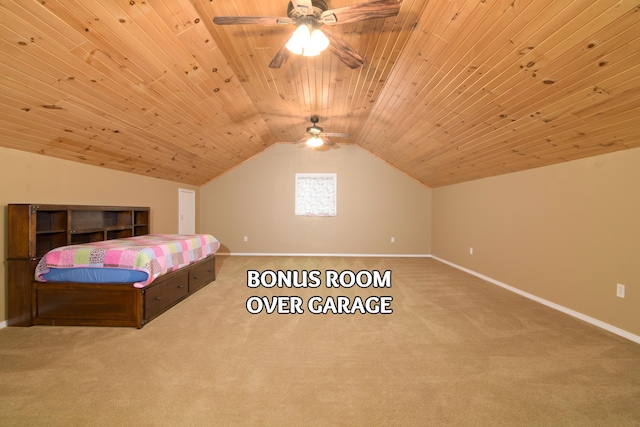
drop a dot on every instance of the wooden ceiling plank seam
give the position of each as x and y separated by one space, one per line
309 84
319 84
47 106
414 44
407 22
542 136
350 34
209 83
47 118
176 86
71 89
68 76
499 130
485 146
451 178
331 106
577 32
600 137
356 35
377 73
347 79
581 79
576 92
353 80
58 146
577 95
265 84
102 35
459 58
44 68
243 84
39 18
387 61
130 166
484 149
66 82
517 159
401 94
130 135
169 151
507 84
179 16
323 86
166 55
146 158
189 68
368 70
37 91
433 90
16 141
44 119
124 126
231 105
223 40
36 66
617 103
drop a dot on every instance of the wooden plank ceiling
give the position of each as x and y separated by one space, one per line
450 91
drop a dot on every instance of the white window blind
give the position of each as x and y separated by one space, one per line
316 194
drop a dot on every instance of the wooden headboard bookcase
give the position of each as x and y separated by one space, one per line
33 230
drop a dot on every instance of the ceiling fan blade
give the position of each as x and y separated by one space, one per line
304 6
328 145
327 141
336 135
361 12
280 57
345 52
260 20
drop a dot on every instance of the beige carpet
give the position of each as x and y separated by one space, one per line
456 351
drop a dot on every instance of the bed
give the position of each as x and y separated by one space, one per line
120 282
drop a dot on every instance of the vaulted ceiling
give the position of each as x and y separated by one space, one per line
450 90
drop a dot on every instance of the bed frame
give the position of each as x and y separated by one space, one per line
36 229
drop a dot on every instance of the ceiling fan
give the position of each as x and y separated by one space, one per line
311 35
315 136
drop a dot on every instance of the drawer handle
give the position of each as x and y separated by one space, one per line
196 278
209 271
180 286
158 298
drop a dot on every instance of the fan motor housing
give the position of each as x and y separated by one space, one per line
319 6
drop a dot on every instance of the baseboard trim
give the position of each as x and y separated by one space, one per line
570 312
326 255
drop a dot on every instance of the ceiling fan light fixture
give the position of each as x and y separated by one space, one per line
307 41
314 142
318 43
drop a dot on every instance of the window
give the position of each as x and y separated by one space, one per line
316 194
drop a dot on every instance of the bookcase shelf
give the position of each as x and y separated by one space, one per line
34 229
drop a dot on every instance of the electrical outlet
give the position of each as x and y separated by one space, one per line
620 291
470 251
246 238
393 240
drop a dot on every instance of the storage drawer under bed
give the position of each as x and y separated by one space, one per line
202 274
165 294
